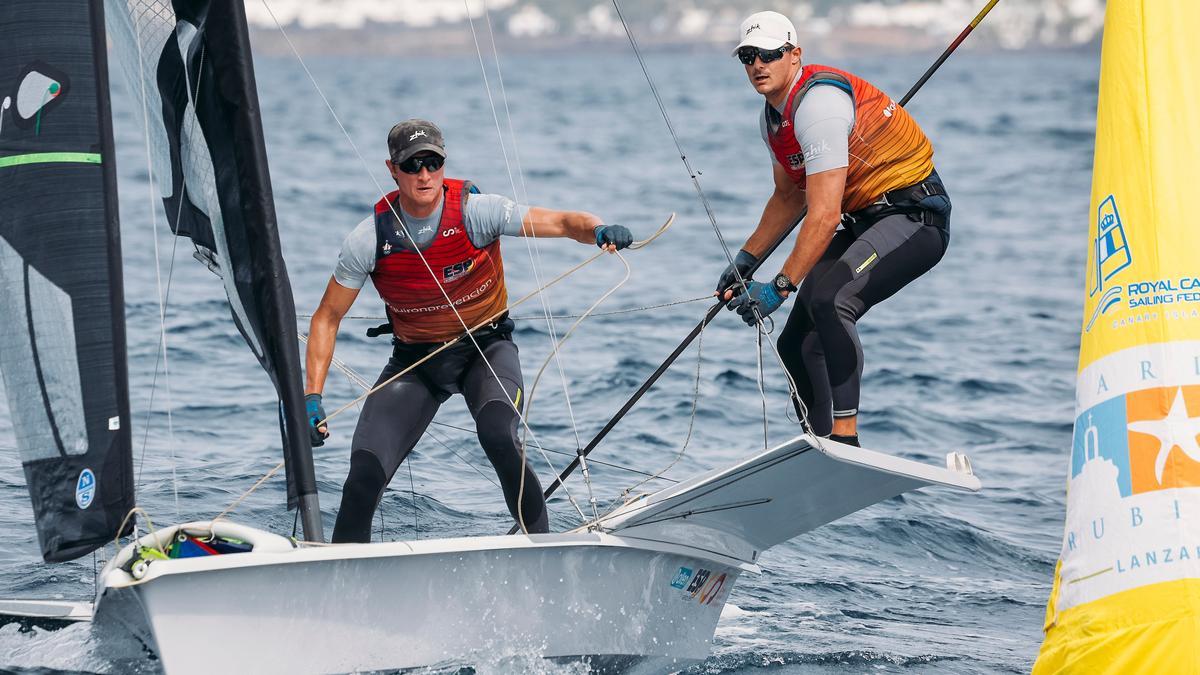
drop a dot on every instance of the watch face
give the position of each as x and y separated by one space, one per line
782 283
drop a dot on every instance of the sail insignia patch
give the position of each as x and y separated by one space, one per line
85 489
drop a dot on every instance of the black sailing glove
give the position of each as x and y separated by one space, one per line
744 262
616 235
315 413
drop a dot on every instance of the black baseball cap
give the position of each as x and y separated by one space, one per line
412 136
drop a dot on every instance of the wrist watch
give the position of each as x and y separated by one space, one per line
783 283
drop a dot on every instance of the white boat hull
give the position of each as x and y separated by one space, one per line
347 608
643 594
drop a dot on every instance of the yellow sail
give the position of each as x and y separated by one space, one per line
1126 594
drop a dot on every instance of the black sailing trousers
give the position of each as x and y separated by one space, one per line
820 345
394 418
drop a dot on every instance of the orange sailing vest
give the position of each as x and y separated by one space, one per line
887 149
473 277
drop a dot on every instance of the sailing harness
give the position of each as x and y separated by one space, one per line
926 201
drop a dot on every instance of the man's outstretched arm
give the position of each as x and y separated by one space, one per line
578 225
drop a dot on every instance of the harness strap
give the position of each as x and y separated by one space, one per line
899 201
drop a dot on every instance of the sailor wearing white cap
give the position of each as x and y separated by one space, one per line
838 145
766 30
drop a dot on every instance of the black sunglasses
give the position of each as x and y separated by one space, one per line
747 54
414 165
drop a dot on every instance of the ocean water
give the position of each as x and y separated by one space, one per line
977 356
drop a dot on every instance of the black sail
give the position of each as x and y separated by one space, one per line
191 61
62 314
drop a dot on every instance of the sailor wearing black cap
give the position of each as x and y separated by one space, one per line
431 249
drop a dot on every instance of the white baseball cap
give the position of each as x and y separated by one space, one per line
766 30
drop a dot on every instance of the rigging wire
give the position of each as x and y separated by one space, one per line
469 334
595 256
161 349
671 128
354 377
662 108
535 264
413 491
762 390
621 499
365 317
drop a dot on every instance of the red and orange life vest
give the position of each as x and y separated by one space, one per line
887 149
472 277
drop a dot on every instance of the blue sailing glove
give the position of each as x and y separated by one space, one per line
315 413
617 235
760 296
744 261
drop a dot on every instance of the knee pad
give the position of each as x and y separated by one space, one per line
824 301
540 525
496 425
366 473
360 496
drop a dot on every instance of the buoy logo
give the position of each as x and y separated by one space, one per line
1163 424
1144 441
85 489
1110 254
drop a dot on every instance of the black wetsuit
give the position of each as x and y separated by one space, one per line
395 417
866 262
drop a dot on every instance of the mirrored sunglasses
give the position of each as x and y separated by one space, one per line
747 54
414 165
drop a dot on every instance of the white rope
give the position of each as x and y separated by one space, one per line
455 341
535 264
275 469
620 500
762 390
708 208
533 389
529 244
353 377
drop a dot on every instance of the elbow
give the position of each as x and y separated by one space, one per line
824 221
324 320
